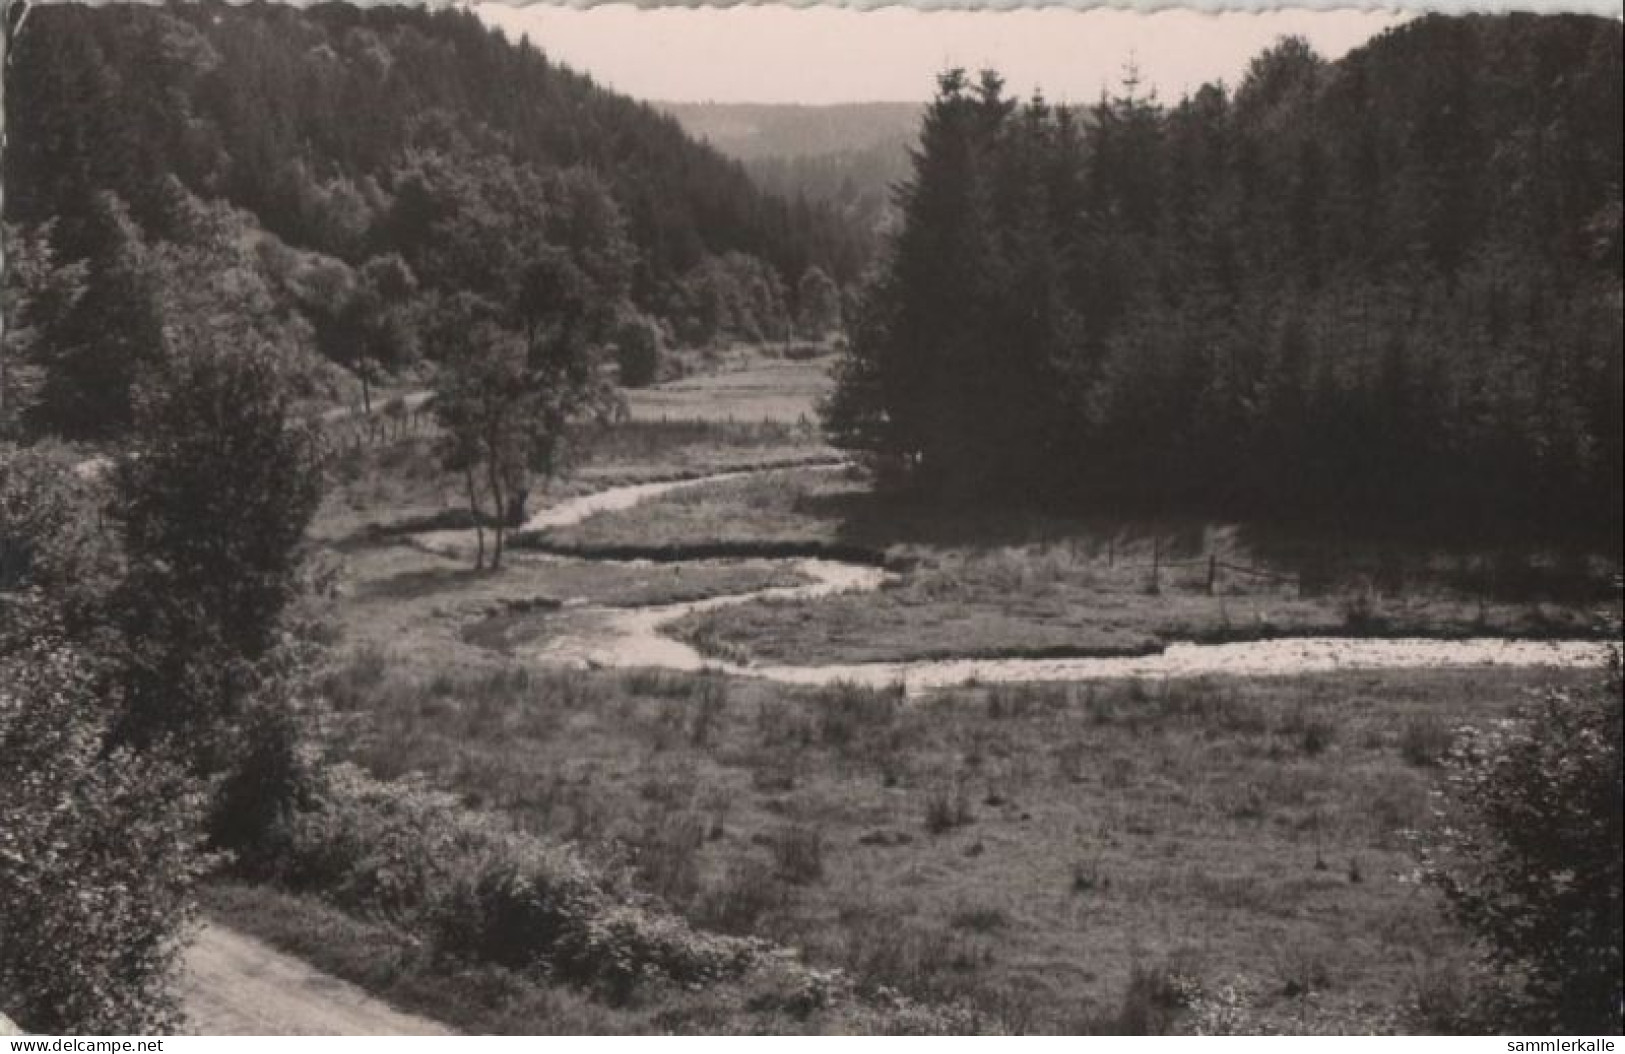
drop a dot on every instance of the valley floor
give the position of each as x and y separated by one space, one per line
1131 855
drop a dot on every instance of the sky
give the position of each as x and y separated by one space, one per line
775 53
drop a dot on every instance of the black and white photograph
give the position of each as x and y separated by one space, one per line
650 521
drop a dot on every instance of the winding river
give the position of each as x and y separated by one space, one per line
635 637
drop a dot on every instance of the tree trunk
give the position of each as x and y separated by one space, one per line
474 508
494 475
516 507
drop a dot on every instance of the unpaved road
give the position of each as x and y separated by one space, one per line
238 986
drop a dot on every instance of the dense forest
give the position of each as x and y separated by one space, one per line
1385 288
358 165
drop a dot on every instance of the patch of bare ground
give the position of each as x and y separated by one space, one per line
390 965
236 985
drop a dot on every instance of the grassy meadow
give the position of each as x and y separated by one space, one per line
1074 859
1136 856
740 385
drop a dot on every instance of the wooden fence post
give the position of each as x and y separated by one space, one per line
1156 564
1212 571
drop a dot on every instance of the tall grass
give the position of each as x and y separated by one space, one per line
1096 816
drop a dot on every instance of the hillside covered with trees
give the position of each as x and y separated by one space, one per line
361 167
1385 288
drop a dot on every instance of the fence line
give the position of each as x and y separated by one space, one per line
1213 564
1258 572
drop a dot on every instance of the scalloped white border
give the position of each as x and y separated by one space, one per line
1607 8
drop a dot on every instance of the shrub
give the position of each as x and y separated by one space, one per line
1226 1010
1088 877
710 702
1069 759
1361 611
269 777
1303 968
482 894
799 853
50 540
350 686
947 808
1316 735
1236 1008
98 858
523 911
1312 728
624 946
638 352
1424 741
381 850
801 990
1530 858
805 352
668 857
980 919
212 516
851 714
1151 1002
776 771
749 893
1442 1001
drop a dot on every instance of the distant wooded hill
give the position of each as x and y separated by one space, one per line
848 156
750 131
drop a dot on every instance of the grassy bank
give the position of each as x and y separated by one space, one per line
454 914
1063 859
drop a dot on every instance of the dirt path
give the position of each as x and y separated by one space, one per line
238 986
